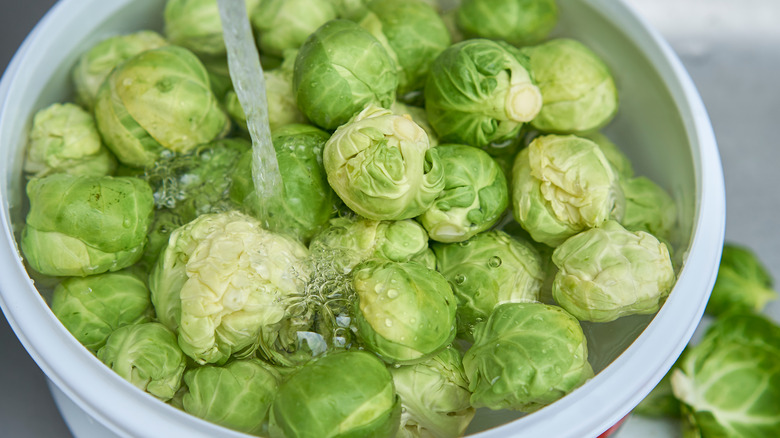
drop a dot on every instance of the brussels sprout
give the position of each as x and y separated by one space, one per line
434 397
196 25
64 138
237 395
608 272
219 74
526 356
85 225
220 284
405 312
562 185
419 116
413 35
94 66
475 195
489 269
147 356
93 307
743 283
480 92
577 87
648 208
518 22
661 401
350 9
186 186
307 201
356 240
347 394
382 166
285 24
729 383
156 101
339 70
619 161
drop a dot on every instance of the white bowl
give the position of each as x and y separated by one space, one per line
662 125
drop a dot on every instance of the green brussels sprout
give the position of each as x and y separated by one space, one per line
147 356
619 161
285 24
156 101
219 74
93 307
729 383
350 9
339 70
382 166
648 208
418 116
743 283
562 185
475 195
220 284
578 90
518 22
489 269
608 272
346 394
435 397
307 201
661 401
480 92
186 186
64 138
94 66
412 33
196 25
355 240
526 356
404 312
237 395
84 225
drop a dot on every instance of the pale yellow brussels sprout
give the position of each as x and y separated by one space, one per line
196 25
562 185
419 116
157 102
578 90
285 24
648 208
94 66
382 166
608 272
64 138
220 284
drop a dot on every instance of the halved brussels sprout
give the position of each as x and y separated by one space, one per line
339 70
85 225
382 166
413 35
94 66
64 138
743 283
307 201
93 307
159 100
435 397
577 87
354 240
147 356
562 185
237 395
221 282
475 195
608 272
480 92
285 24
648 208
404 312
518 22
526 356
489 269
347 394
196 25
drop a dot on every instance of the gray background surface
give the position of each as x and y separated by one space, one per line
731 49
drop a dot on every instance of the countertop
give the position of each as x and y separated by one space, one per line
731 50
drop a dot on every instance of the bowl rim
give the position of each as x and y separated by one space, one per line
50 344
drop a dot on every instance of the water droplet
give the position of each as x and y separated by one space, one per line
388 322
460 279
392 293
494 262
